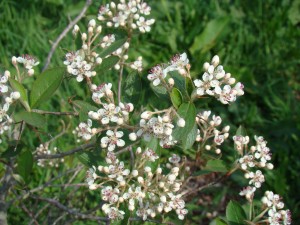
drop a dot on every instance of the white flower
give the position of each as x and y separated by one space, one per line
156 75
257 178
101 91
248 192
174 158
91 176
112 140
84 130
109 113
28 61
179 62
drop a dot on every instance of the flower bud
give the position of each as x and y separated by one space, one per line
159 170
30 72
15 95
146 115
147 169
215 60
138 150
207 147
163 199
92 23
99 29
140 180
135 173
126 45
6 73
181 122
83 36
218 151
132 137
14 60
171 82
226 129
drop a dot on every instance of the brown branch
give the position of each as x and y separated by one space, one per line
55 113
65 31
70 211
63 154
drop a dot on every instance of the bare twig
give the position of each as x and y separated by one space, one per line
70 211
38 213
55 113
64 33
63 154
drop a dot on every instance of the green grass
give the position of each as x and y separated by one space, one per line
257 41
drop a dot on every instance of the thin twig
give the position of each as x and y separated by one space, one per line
65 31
63 154
38 213
70 211
55 113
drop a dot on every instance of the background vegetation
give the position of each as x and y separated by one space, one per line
257 41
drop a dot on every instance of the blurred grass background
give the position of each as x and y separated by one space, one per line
257 41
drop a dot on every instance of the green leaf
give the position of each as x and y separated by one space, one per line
188 112
89 158
132 88
216 165
219 221
176 97
113 47
23 92
14 148
45 85
241 131
31 118
235 214
160 91
25 163
208 38
191 138
189 86
107 63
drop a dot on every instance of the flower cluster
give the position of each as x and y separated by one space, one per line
256 157
276 214
215 82
178 63
7 97
78 66
158 127
85 131
145 190
129 14
207 130
28 62
43 149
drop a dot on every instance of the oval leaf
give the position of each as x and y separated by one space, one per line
176 97
113 47
235 214
23 92
45 85
31 118
25 163
108 63
188 112
132 88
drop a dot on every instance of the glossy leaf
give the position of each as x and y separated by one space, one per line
132 88
31 118
23 92
216 165
107 63
25 163
235 214
176 97
188 112
190 139
160 92
45 85
113 47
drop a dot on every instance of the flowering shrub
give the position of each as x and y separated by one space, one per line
136 173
